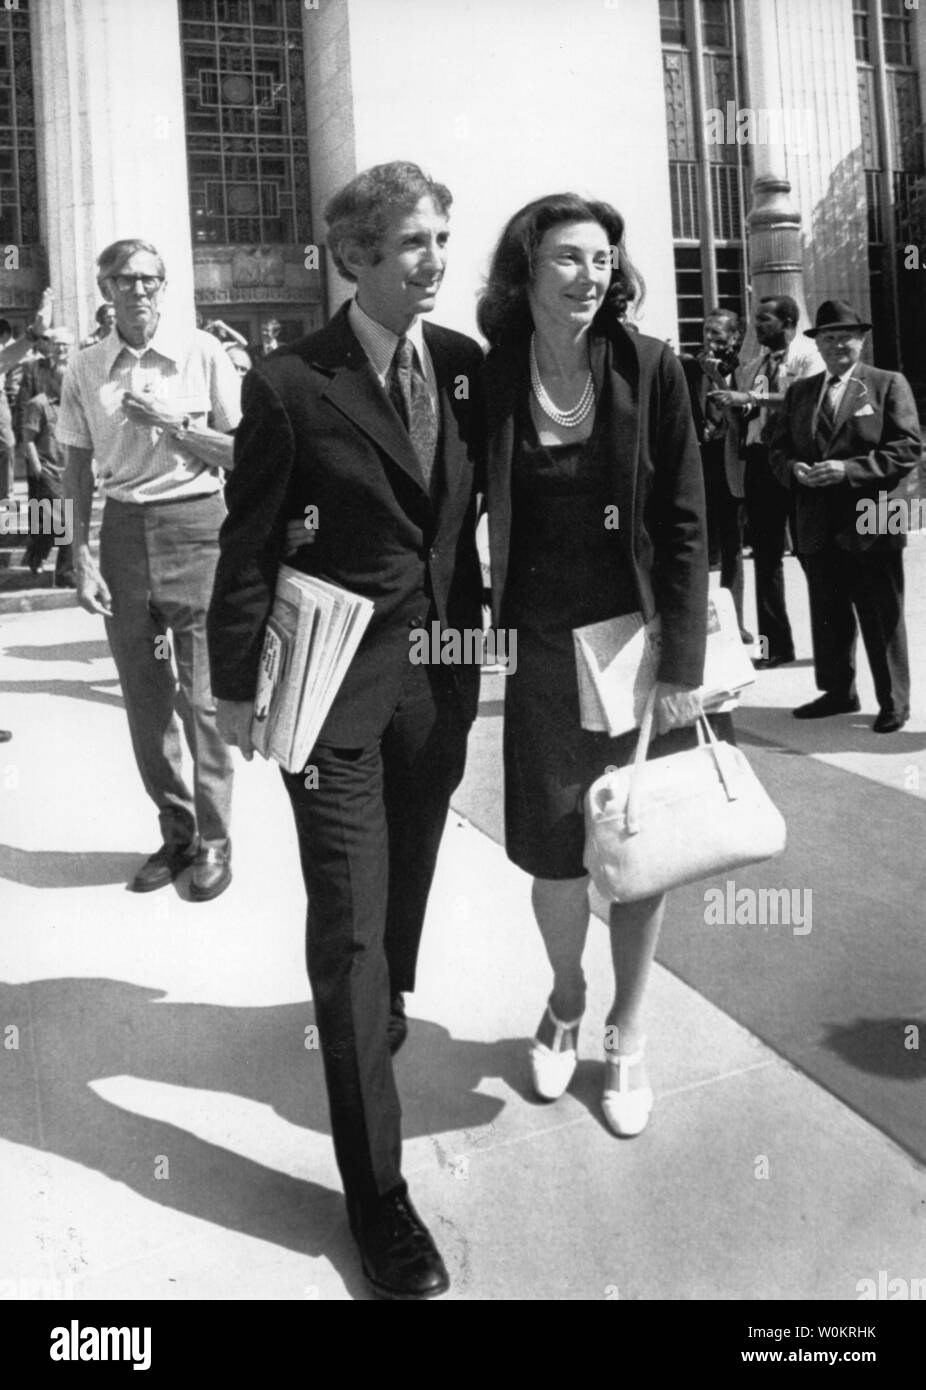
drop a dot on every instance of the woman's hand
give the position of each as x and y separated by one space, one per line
676 706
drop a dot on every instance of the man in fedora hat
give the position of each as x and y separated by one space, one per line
843 437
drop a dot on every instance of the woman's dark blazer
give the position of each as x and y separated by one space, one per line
658 486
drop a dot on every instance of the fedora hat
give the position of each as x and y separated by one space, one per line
836 313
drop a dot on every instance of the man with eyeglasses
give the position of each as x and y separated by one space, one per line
140 401
847 436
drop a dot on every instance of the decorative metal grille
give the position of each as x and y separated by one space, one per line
19 194
860 16
247 130
725 192
701 170
683 187
672 21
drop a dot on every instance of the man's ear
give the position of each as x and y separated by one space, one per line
354 256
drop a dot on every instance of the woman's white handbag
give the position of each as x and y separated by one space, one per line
656 825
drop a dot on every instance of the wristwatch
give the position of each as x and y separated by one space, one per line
181 431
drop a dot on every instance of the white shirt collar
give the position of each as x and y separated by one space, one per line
164 341
379 343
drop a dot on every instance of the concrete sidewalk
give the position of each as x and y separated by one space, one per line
163 1129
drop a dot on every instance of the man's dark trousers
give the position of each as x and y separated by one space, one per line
767 507
369 834
872 583
724 523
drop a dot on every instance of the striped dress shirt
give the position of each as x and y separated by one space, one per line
186 373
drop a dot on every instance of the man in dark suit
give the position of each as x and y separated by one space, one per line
844 436
710 371
373 421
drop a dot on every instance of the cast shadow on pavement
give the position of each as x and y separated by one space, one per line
77 1033
881 1046
61 651
843 733
78 690
49 868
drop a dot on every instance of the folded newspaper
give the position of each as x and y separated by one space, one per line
309 642
617 661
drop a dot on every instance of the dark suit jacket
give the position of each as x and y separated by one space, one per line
699 384
319 430
658 482
876 434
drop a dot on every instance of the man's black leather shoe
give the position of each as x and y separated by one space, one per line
889 723
828 704
163 867
768 663
397 1027
211 872
400 1260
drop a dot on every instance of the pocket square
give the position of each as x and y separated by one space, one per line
865 410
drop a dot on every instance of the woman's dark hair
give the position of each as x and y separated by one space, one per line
503 307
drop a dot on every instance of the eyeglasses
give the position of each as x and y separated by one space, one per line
149 283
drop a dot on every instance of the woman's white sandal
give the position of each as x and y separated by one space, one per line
627 1110
552 1067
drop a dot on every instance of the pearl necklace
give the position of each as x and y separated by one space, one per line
567 419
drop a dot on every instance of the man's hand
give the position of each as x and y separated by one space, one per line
143 410
42 321
726 399
676 706
802 472
827 473
233 721
297 535
92 591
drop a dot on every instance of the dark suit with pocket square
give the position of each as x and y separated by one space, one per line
875 433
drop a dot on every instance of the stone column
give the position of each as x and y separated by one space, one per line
800 68
112 155
330 105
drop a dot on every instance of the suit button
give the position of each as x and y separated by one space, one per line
432 553
416 622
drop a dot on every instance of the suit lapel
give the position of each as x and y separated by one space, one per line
449 460
355 391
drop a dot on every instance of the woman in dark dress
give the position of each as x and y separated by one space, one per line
584 418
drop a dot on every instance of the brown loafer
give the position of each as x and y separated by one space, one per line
211 872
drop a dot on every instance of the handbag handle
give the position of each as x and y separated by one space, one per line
632 812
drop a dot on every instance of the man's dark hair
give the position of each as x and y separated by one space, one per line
503 306
111 260
102 312
784 308
5 327
362 210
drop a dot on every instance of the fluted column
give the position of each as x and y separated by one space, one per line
112 157
800 66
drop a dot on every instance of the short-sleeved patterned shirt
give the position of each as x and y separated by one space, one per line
187 373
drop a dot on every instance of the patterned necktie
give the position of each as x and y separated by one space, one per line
409 394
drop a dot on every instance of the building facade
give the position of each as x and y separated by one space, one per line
753 146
